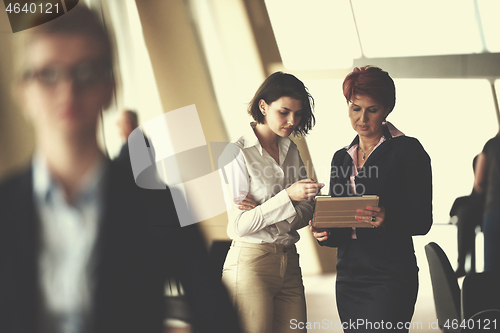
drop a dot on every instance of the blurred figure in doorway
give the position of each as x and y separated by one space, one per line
127 121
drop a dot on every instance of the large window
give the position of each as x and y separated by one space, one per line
392 28
137 89
232 59
488 13
324 34
316 34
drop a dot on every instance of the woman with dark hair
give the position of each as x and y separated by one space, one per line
377 273
271 200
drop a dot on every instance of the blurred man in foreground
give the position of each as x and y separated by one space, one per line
82 248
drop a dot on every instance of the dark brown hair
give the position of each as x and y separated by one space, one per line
279 85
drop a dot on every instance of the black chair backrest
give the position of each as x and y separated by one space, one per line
484 321
444 285
480 291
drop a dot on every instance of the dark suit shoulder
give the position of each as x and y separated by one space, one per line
491 144
339 154
409 150
16 193
408 143
342 150
15 180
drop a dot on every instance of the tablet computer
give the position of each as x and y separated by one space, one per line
339 212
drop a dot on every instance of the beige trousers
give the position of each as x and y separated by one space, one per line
265 283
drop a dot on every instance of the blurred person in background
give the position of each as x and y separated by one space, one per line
82 248
469 215
127 121
377 273
487 182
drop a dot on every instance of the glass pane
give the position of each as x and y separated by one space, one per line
452 119
489 11
316 34
232 59
395 28
138 85
332 130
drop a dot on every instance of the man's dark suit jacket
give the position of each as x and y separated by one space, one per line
139 245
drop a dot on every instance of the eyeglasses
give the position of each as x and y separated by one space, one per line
83 75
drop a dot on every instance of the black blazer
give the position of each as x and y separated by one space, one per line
399 172
140 245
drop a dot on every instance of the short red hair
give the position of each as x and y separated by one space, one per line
372 82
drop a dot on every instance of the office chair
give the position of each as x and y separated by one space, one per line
480 291
483 321
444 287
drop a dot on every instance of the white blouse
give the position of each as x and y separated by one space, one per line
276 218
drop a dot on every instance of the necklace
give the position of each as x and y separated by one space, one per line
359 148
364 154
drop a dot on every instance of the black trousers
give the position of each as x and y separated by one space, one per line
469 211
372 295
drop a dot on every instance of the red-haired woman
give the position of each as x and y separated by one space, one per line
377 273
